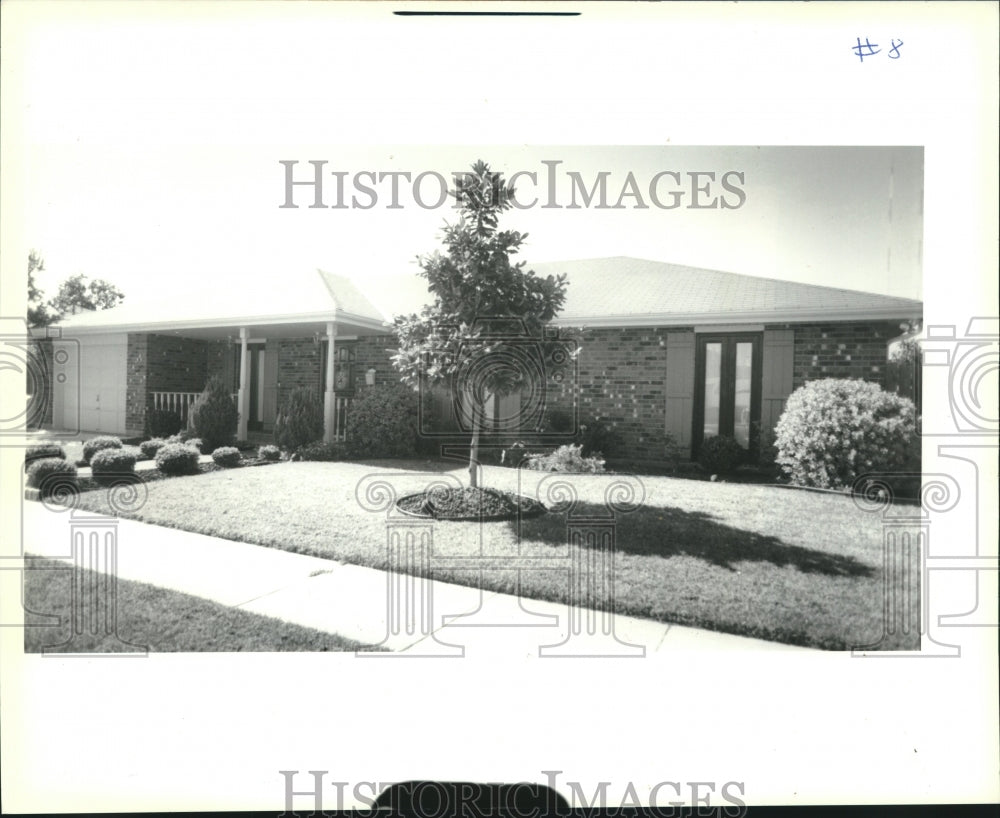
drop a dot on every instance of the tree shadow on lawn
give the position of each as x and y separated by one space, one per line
662 531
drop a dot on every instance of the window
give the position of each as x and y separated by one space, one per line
727 387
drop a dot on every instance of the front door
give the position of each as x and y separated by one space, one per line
727 388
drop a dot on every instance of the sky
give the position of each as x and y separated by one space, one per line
152 158
844 217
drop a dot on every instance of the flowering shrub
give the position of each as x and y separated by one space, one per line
269 453
96 444
113 462
382 421
43 473
177 458
43 450
149 448
226 456
719 454
833 431
566 458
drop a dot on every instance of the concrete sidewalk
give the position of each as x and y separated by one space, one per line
397 612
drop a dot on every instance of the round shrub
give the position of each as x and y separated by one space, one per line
227 456
214 415
97 444
176 458
382 421
269 452
149 448
43 450
719 454
44 473
832 431
300 420
112 462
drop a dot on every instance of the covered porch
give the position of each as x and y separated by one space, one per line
263 362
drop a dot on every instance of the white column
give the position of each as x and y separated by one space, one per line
243 397
329 398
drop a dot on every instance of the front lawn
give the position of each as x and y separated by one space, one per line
161 620
772 563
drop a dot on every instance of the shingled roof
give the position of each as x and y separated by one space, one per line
285 299
623 291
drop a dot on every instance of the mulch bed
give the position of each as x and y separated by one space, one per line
469 504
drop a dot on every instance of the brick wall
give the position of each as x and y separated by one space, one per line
373 352
621 379
136 366
298 365
855 350
220 361
176 364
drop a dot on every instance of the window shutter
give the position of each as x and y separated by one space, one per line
680 386
778 370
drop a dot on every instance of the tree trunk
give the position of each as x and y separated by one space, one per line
474 448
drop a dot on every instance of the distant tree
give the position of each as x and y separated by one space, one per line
77 293
38 312
475 279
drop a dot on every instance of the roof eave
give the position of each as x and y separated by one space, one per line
757 317
363 321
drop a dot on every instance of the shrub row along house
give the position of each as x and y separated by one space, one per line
668 353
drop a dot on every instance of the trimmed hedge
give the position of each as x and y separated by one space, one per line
833 431
269 452
227 456
44 450
97 444
176 458
43 474
382 421
112 463
149 448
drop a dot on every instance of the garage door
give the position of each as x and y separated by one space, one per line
89 394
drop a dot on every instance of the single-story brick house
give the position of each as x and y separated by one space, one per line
111 368
666 350
687 352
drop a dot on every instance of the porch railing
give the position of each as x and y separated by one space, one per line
179 402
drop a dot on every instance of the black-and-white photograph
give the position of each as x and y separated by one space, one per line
313 377
610 401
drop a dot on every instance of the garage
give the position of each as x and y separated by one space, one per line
89 383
